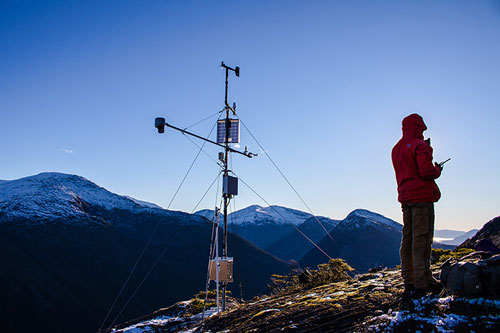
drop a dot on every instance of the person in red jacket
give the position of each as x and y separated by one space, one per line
417 192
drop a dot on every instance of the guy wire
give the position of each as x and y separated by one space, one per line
147 244
295 227
289 183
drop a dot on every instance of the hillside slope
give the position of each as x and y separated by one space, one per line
67 246
356 238
294 246
490 231
370 302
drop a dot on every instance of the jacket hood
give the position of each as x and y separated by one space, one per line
414 126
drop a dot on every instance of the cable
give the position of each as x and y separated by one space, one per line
203 197
161 255
212 252
298 230
190 167
147 275
237 248
148 242
286 179
212 248
210 157
215 224
201 147
233 221
218 113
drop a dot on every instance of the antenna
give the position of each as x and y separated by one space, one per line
228 131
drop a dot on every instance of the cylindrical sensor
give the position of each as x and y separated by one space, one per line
160 124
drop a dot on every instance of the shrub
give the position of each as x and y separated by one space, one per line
334 271
438 256
198 301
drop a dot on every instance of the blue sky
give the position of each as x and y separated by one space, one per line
324 86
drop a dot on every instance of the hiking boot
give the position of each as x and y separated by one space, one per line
406 303
419 293
409 290
435 288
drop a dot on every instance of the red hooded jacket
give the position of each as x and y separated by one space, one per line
412 161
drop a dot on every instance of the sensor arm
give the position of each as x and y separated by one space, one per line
247 154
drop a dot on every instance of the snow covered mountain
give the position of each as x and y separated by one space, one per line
294 246
262 226
361 218
256 215
355 237
58 196
67 245
459 239
447 233
364 239
276 214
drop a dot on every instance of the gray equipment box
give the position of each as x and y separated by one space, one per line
230 185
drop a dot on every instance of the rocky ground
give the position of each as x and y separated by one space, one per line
368 302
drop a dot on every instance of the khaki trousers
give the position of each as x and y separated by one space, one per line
415 251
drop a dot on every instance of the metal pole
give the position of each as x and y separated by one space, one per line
226 155
225 99
217 264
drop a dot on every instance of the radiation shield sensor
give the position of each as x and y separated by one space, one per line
234 131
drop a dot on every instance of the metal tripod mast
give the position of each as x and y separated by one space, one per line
230 183
226 173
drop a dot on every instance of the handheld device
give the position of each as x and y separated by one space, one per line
442 163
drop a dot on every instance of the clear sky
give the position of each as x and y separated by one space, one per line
324 86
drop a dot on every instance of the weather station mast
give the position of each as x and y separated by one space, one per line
228 132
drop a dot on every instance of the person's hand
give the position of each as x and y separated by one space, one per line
440 166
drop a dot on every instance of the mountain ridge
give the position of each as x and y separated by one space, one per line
489 231
62 268
53 195
256 214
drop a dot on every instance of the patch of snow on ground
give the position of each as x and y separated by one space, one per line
208 313
481 301
396 318
146 326
425 312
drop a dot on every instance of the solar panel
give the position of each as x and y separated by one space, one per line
234 131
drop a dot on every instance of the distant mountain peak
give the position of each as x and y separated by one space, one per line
258 214
372 217
255 214
54 195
